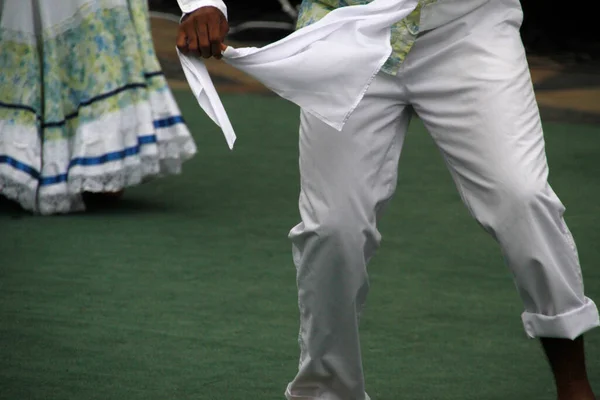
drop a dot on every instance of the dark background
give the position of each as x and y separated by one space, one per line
568 30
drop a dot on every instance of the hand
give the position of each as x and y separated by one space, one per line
203 32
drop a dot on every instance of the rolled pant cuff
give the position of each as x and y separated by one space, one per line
569 325
320 396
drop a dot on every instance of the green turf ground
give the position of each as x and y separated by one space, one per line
187 291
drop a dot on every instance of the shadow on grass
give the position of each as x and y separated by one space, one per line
94 207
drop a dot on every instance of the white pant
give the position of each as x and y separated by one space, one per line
468 80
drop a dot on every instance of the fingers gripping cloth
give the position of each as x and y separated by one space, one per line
324 68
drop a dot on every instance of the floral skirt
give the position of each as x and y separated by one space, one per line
84 106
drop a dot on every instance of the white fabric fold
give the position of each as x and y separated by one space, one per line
204 91
188 6
324 68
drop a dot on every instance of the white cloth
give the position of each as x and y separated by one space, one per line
310 66
206 94
188 6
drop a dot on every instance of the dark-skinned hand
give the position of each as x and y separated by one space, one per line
202 33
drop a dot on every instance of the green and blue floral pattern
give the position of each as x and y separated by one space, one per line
80 64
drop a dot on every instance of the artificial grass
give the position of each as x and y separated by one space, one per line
186 290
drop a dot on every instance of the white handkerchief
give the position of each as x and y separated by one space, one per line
203 89
325 68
